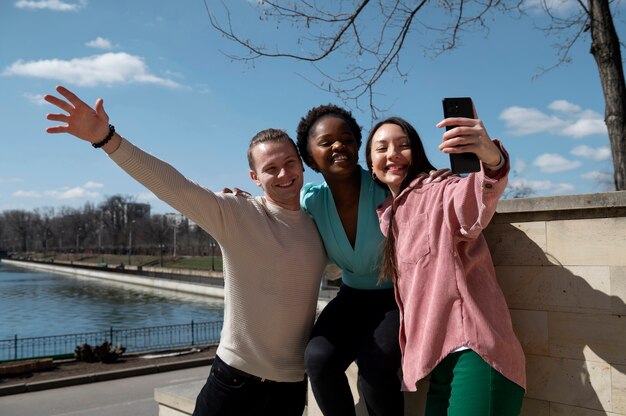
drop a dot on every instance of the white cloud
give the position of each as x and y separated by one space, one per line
605 180
543 187
108 69
552 162
601 177
564 106
56 5
84 191
92 185
100 43
35 98
597 154
26 194
559 8
586 127
72 193
567 119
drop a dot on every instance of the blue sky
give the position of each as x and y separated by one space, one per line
169 89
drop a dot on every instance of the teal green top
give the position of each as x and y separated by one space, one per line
359 265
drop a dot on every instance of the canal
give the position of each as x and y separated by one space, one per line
35 304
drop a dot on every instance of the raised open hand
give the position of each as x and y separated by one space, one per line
81 120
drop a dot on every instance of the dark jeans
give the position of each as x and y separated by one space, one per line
362 326
230 392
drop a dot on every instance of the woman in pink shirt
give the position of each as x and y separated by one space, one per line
454 321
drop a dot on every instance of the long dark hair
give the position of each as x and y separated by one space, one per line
419 164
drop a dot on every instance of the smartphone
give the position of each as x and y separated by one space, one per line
461 107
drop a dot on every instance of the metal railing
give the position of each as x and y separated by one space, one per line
134 339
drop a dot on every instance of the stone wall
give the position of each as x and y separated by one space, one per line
561 263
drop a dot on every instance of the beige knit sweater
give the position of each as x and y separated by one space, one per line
273 263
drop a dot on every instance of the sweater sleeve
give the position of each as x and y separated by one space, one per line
204 207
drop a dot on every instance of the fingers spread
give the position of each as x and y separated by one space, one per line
58 117
56 129
70 96
63 105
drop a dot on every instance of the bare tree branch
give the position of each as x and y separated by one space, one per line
370 35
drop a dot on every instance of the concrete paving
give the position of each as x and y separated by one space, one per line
130 396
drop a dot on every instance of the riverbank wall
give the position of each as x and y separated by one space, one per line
198 282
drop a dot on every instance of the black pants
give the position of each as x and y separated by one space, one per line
362 326
230 392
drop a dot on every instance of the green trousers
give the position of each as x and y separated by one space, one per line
463 384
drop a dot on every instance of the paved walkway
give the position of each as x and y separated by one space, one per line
132 396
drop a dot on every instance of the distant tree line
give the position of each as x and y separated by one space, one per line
118 225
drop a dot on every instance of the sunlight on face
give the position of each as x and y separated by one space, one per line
391 156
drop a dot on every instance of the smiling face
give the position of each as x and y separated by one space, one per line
332 148
390 153
278 171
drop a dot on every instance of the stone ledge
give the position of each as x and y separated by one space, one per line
567 207
564 202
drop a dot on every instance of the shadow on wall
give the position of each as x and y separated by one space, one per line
572 329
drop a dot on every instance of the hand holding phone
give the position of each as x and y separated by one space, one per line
461 107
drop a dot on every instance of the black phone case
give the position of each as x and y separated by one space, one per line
461 107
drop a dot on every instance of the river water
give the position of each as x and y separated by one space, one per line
35 304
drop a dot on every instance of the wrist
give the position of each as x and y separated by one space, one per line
498 165
113 144
106 139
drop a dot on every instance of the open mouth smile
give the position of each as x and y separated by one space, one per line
339 157
286 185
396 169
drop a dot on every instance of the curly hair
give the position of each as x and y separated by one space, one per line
313 116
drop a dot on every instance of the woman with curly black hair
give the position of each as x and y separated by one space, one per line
362 322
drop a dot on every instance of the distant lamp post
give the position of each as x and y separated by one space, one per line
100 244
213 244
174 250
130 239
78 241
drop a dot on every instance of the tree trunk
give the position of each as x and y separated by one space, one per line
605 49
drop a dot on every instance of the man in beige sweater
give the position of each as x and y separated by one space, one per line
273 261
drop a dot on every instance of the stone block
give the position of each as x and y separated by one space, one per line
531 328
517 244
556 288
592 337
557 409
573 382
618 290
599 241
618 386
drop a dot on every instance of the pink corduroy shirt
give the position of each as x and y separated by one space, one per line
446 287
